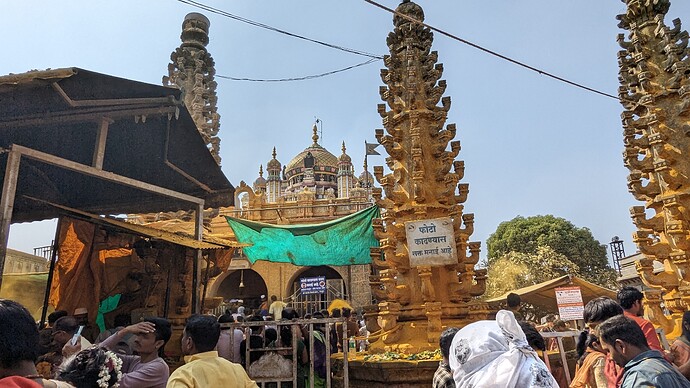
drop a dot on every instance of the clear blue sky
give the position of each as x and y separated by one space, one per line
531 145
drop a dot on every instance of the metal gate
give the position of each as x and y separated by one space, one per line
310 303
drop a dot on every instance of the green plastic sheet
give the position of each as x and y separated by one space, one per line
345 241
107 305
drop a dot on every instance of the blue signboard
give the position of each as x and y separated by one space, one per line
313 285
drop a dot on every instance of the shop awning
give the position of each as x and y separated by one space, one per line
543 294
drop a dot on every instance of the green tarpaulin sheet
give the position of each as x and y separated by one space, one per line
344 241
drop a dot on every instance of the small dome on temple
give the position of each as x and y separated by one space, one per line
260 182
273 164
366 179
323 160
344 158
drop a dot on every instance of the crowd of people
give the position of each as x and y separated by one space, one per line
132 355
617 349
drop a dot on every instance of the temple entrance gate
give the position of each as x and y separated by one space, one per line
307 303
245 284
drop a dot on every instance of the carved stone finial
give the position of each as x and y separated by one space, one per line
315 136
261 170
192 70
343 148
274 152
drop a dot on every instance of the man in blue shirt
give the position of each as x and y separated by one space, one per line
624 341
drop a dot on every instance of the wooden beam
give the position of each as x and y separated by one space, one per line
105 175
99 149
9 189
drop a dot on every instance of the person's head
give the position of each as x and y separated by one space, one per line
18 335
325 313
622 338
513 300
148 343
55 315
600 309
64 329
81 314
534 339
445 340
286 335
270 335
318 315
274 298
586 342
200 334
335 313
289 313
347 312
225 320
91 368
560 325
258 328
630 298
240 310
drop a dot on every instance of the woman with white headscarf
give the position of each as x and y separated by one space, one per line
490 354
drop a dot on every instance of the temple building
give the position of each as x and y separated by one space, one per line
315 186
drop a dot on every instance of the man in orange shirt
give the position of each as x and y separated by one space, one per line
630 299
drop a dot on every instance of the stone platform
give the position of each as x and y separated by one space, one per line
388 374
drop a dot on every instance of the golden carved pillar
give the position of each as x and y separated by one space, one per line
655 94
417 299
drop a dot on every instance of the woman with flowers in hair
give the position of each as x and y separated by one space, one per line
90 368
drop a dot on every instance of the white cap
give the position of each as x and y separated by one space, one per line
81 311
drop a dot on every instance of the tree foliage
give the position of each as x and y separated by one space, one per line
526 235
516 270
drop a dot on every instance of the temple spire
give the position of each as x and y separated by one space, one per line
655 94
192 70
423 187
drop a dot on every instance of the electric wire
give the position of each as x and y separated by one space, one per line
300 78
265 26
491 52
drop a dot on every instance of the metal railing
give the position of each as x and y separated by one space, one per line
563 354
45 252
298 327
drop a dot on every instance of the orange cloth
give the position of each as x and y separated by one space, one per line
680 351
92 265
649 332
584 374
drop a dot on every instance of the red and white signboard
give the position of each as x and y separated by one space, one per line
569 300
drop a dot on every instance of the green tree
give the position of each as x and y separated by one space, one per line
528 234
517 269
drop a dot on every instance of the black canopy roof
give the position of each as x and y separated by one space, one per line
151 138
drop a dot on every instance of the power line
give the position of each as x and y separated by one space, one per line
265 26
490 52
300 78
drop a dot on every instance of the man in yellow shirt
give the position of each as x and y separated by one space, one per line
203 367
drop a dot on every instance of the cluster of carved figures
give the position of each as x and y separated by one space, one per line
192 69
655 94
421 186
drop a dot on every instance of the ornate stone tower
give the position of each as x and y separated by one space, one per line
273 183
346 175
655 94
192 70
418 297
